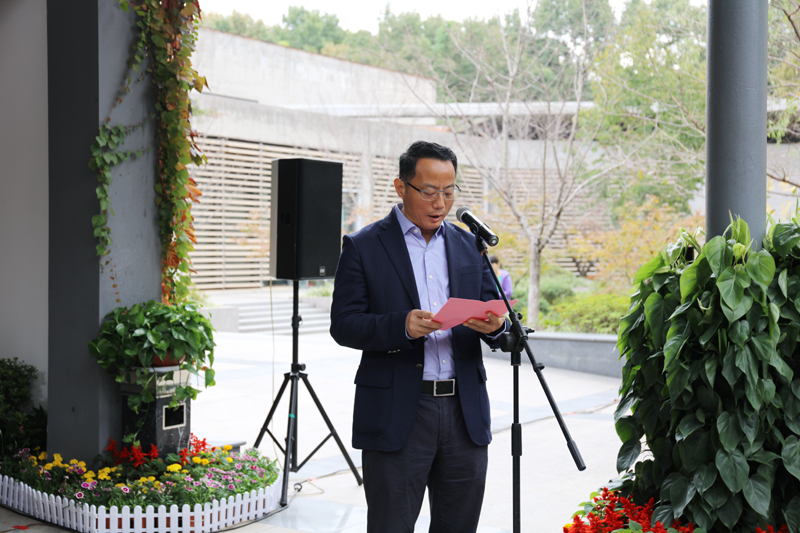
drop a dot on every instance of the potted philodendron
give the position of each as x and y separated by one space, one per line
711 382
133 340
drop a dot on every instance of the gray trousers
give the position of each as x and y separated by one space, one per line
439 455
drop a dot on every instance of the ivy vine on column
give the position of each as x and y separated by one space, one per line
163 48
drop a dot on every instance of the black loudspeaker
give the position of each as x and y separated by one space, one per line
306 218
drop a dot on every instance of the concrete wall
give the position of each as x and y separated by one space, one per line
581 352
24 186
275 75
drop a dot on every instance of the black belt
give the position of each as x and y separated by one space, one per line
440 387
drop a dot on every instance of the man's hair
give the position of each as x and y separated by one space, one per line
421 150
494 259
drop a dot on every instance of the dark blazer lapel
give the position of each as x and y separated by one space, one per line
454 247
395 245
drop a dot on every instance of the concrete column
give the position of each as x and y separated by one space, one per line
736 115
88 44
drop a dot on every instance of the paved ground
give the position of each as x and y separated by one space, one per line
250 371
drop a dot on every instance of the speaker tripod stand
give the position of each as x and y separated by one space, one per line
293 377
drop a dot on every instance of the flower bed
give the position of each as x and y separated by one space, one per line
609 512
204 489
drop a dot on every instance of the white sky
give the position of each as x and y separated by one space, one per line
357 15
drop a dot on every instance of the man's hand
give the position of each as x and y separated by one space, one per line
489 325
419 323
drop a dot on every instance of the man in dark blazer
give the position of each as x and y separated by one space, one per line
421 415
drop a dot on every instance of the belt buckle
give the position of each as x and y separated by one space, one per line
452 383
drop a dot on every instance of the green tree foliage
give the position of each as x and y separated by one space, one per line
711 379
301 28
649 89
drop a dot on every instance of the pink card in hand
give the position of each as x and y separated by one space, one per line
458 310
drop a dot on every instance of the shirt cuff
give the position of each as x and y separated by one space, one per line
502 330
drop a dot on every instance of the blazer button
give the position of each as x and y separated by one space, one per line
419 366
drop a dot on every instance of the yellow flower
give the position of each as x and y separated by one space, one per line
120 485
204 461
174 468
82 464
57 457
142 479
157 484
230 459
227 447
196 459
73 461
103 475
144 490
88 475
185 471
43 456
151 478
48 466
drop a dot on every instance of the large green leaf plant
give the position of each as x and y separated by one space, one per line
709 381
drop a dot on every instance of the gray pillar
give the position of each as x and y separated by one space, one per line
736 115
88 44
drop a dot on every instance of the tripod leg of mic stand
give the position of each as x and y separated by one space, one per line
290 438
275 403
516 452
333 431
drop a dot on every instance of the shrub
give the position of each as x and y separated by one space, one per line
711 349
20 424
591 313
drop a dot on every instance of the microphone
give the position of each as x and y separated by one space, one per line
466 216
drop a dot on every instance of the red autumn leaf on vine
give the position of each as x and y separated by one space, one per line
190 234
172 260
194 192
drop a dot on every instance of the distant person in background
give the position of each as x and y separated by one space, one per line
502 275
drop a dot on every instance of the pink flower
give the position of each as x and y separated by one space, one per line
188 478
238 466
79 495
231 486
126 490
196 483
189 489
85 485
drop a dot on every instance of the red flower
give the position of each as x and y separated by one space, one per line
184 453
153 452
137 457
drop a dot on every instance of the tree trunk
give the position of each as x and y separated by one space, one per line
534 272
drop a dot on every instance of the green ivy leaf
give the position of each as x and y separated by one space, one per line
791 456
732 284
733 469
792 514
780 365
704 477
676 338
680 494
761 267
757 493
742 309
730 511
688 425
628 454
648 269
730 435
663 515
784 237
719 255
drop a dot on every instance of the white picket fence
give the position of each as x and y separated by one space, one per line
212 516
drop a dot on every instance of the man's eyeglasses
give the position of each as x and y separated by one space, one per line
430 195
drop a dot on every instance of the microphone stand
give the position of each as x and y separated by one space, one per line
515 341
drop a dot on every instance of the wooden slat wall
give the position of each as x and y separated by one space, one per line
236 186
236 197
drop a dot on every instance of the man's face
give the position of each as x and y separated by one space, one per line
431 174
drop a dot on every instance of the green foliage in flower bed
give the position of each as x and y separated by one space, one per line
20 424
590 313
711 376
201 476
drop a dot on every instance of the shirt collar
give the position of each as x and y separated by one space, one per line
406 225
